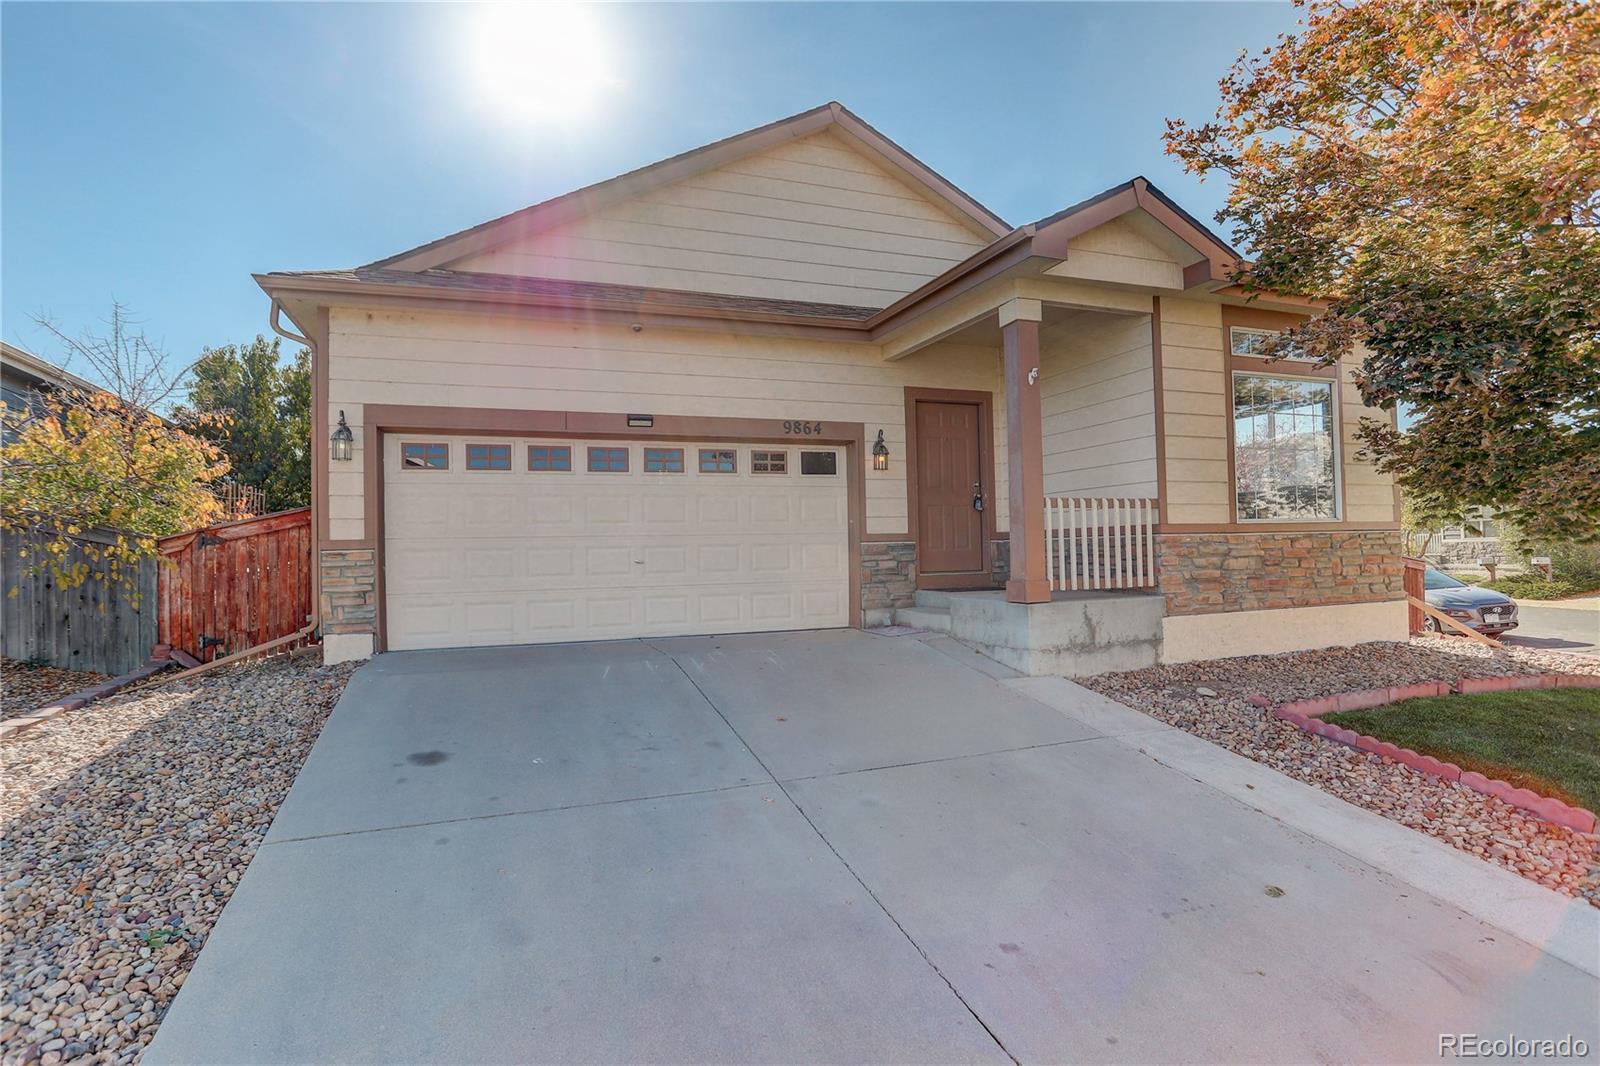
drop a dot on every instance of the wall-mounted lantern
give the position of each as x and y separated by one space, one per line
343 440
880 453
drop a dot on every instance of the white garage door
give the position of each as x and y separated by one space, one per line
505 541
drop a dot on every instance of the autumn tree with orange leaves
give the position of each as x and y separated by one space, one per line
1432 170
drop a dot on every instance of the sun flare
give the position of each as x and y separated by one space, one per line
542 61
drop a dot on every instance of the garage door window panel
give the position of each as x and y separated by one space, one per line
416 455
663 460
550 458
719 461
488 457
769 462
608 460
819 464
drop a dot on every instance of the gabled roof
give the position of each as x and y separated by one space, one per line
1048 238
41 372
572 205
1137 194
1027 249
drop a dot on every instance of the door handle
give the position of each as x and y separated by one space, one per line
977 496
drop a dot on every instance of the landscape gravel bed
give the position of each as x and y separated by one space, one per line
1210 700
126 826
24 687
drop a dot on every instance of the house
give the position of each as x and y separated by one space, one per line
1473 543
797 379
24 377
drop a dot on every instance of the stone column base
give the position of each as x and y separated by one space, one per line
349 607
888 579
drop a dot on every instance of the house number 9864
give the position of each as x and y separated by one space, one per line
807 429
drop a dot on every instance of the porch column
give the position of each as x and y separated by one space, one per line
1019 330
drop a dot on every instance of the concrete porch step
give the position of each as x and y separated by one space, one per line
936 600
936 619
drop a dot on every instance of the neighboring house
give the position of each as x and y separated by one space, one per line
1474 542
650 407
24 378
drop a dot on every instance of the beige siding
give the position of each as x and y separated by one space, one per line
1098 395
1118 252
471 361
1198 400
1195 401
1368 495
813 219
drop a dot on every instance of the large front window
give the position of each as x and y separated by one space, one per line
1284 457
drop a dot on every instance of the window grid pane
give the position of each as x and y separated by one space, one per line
608 460
718 461
417 456
1284 449
1247 341
549 457
663 460
488 457
769 462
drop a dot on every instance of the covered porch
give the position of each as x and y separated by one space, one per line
1078 477
1078 448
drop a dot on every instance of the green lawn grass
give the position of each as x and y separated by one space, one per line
1544 739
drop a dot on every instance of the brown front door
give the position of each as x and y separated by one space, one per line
949 475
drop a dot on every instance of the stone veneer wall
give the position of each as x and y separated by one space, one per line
1210 573
888 574
1467 552
349 591
999 562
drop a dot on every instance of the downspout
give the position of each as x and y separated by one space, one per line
311 457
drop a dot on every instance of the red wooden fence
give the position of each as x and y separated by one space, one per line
232 586
1414 587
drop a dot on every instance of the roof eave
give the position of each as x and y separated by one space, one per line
280 286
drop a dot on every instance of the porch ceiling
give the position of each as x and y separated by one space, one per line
984 331
974 318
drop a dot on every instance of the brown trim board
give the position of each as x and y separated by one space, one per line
1259 318
1161 409
1265 527
380 420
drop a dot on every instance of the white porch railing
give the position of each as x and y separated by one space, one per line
1100 542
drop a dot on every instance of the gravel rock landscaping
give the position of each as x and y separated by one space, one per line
126 826
25 688
1210 700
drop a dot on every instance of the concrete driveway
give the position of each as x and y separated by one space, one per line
807 847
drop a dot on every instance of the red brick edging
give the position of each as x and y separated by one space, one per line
1307 714
12 726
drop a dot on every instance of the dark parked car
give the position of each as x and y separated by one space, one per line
1481 609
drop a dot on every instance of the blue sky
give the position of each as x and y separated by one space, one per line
160 154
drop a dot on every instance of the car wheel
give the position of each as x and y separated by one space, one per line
1433 626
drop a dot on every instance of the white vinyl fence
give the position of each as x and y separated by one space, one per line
1100 542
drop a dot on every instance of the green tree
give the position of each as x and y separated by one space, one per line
1431 168
257 410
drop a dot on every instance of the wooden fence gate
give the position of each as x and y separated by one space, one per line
232 586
